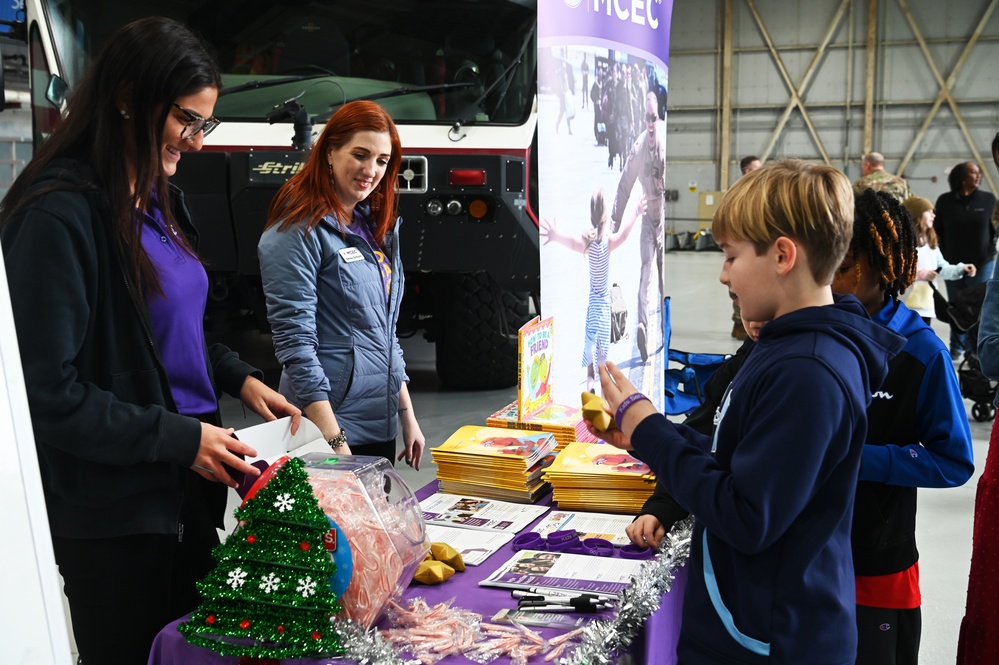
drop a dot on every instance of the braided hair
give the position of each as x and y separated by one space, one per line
883 231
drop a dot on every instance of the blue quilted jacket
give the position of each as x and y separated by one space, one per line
334 334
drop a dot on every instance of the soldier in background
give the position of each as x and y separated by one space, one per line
875 177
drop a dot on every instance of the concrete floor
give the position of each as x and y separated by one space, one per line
701 317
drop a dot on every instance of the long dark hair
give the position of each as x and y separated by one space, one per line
310 194
142 68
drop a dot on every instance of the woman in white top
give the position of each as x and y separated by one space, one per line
930 260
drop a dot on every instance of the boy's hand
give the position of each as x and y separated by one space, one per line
616 388
614 437
646 531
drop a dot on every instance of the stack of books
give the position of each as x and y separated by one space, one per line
565 423
599 477
534 409
495 463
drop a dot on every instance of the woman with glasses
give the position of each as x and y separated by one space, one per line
121 384
332 276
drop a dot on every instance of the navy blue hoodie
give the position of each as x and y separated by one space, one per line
771 574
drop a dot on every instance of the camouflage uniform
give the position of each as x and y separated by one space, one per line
882 181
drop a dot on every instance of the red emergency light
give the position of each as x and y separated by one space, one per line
466 177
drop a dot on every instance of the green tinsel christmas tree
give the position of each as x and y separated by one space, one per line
269 595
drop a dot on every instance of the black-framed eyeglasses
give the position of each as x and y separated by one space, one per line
195 123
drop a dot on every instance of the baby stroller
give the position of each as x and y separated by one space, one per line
964 313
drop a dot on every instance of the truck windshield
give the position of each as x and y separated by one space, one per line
324 53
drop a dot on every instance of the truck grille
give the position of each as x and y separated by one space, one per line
413 175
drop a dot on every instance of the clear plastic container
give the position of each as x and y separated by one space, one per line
382 521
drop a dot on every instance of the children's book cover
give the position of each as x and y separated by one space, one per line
505 446
580 458
534 372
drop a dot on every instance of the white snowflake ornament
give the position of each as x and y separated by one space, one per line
237 577
270 583
306 587
284 502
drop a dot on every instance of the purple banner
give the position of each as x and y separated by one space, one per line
602 89
640 27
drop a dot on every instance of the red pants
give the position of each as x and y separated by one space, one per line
979 640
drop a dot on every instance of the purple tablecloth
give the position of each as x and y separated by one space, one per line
655 646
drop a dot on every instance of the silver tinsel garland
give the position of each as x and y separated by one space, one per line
603 640
366 646
600 642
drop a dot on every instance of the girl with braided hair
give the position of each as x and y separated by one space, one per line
917 434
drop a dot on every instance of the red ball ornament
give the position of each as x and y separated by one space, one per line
244 624
304 546
316 635
252 538
210 619
280 630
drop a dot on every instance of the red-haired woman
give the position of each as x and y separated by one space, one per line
332 276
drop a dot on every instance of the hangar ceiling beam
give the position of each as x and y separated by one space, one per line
945 90
725 144
796 92
872 41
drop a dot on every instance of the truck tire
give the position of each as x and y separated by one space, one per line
477 332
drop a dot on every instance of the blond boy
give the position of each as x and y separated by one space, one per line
771 577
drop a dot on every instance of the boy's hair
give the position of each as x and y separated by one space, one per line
883 231
811 204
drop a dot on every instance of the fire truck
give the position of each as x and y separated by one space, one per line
459 78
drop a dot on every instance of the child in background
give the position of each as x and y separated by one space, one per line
661 511
917 434
930 261
596 244
770 579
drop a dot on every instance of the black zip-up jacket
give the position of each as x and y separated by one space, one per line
114 454
964 227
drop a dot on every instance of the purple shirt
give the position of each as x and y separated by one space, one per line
359 227
176 316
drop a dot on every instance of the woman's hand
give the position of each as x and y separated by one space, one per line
646 531
412 439
971 269
267 403
219 447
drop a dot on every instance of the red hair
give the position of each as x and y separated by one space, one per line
309 194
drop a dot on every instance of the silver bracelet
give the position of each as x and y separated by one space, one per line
338 441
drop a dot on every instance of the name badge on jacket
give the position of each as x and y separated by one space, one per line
351 254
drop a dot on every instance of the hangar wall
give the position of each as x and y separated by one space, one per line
828 80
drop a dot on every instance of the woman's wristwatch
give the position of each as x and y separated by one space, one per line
338 441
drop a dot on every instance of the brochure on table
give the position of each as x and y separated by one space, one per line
558 570
473 546
471 512
587 525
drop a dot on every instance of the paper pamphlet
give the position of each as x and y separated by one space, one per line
544 619
473 546
474 513
587 525
578 572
